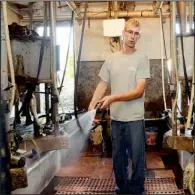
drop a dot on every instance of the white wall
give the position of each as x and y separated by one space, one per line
96 47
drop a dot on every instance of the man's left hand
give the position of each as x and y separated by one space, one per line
106 101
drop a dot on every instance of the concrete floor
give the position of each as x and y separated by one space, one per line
161 163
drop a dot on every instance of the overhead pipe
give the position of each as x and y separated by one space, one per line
124 14
74 8
105 15
116 9
158 6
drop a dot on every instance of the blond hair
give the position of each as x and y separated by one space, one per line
133 22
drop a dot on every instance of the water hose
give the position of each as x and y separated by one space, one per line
182 50
43 40
78 69
70 33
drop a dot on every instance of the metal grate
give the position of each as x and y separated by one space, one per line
83 185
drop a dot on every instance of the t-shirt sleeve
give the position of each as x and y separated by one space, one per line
104 73
143 71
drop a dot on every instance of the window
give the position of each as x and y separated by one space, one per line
67 93
187 29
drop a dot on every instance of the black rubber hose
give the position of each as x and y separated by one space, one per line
183 57
43 41
64 72
78 69
165 50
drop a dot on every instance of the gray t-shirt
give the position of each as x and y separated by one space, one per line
122 71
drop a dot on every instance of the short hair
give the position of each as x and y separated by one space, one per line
133 22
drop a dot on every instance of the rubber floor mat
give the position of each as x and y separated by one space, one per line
84 185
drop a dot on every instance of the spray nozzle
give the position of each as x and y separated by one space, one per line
98 105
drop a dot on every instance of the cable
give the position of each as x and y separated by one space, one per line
78 68
74 46
43 41
165 50
64 72
182 49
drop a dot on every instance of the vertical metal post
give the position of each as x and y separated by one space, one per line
174 60
53 64
47 103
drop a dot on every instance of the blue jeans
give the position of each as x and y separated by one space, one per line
128 141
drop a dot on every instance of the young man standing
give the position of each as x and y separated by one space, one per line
127 72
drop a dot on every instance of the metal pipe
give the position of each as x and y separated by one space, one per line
182 5
123 14
53 67
9 53
104 15
174 61
162 61
158 6
190 15
30 13
116 9
74 8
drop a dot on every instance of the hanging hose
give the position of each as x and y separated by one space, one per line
162 64
182 50
9 53
78 69
165 51
43 41
74 46
64 72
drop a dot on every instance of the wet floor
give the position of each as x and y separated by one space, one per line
160 164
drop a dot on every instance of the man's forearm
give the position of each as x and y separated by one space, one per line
131 95
99 93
